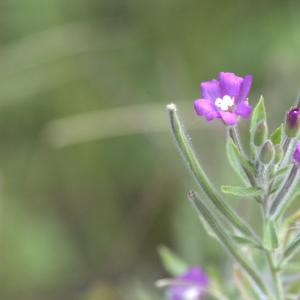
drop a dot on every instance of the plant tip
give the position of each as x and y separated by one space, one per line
171 107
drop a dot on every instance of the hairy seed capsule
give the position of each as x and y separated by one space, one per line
261 133
267 152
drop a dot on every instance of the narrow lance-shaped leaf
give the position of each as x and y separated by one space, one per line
282 171
241 240
171 261
276 136
201 178
227 241
291 250
258 115
241 191
270 239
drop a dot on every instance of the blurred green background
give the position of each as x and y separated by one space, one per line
91 182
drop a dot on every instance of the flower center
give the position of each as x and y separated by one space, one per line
191 293
224 103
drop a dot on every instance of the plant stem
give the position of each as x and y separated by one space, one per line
275 276
236 139
184 144
228 243
234 134
284 193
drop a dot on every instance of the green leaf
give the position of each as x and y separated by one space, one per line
185 147
237 161
242 240
207 228
287 203
276 186
276 136
270 239
292 249
283 170
226 240
258 115
241 191
171 261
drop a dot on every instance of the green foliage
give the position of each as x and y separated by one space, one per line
237 161
258 115
270 237
292 249
241 191
171 261
277 135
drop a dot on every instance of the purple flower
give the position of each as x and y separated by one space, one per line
189 286
225 98
296 155
292 124
293 116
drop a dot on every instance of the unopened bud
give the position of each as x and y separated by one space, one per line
267 152
278 154
296 155
292 124
260 133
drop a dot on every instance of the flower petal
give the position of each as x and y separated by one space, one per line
228 117
245 88
204 107
196 275
230 84
243 109
210 90
296 155
190 285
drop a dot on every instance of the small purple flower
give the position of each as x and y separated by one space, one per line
189 286
225 98
296 155
292 124
293 116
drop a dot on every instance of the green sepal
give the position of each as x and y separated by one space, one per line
258 115
276 136
241 191
270 238
171 261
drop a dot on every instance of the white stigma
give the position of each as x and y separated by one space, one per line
224 103
192 293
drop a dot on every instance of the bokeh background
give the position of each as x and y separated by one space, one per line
90 180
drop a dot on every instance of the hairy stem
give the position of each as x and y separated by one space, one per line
275 276
187 152
284 193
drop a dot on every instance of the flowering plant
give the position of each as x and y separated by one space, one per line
270 174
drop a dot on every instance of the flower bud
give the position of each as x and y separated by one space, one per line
278 154
260 133
267 152
292 124
296 155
